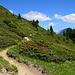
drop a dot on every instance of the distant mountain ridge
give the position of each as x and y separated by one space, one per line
61 32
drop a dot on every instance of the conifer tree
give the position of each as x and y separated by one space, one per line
19 16
51 30
35 23
64 34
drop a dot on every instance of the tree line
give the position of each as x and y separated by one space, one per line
70 33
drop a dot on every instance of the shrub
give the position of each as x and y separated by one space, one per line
44 51
18 32
6 21
6 41
10 23
13 25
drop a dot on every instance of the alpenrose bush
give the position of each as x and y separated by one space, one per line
43 51
6 41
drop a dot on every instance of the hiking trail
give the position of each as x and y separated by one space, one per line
23 69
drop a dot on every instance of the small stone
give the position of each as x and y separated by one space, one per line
1 73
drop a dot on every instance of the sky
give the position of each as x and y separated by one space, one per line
58 13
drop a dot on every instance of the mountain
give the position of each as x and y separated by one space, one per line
14 28
62 31
33 43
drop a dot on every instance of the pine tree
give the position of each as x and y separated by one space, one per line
51 30
35 23
64 34
19 16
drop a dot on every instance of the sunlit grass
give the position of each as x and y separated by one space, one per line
63 68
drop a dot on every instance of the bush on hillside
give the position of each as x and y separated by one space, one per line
44 51
6 21
13 25
6 41
10 23
18 32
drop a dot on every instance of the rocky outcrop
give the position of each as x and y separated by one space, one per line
6 71
30 64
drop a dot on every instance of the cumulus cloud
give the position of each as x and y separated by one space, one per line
34 15
11 11
57 16
66 18
52 24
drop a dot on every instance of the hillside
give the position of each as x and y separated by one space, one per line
42 48
12 28
15 29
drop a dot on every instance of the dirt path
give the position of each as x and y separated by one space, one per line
23 69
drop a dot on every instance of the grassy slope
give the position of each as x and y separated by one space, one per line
23 28
63 68
59 44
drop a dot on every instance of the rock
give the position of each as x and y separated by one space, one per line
45 72
6 71
36 66
27 63
1 73
1 66
26 38
40 69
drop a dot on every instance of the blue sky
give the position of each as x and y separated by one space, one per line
58 13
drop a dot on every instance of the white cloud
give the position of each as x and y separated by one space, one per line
52 24
11 11
67 18
34 15
57 16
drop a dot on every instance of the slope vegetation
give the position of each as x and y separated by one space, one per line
42 48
